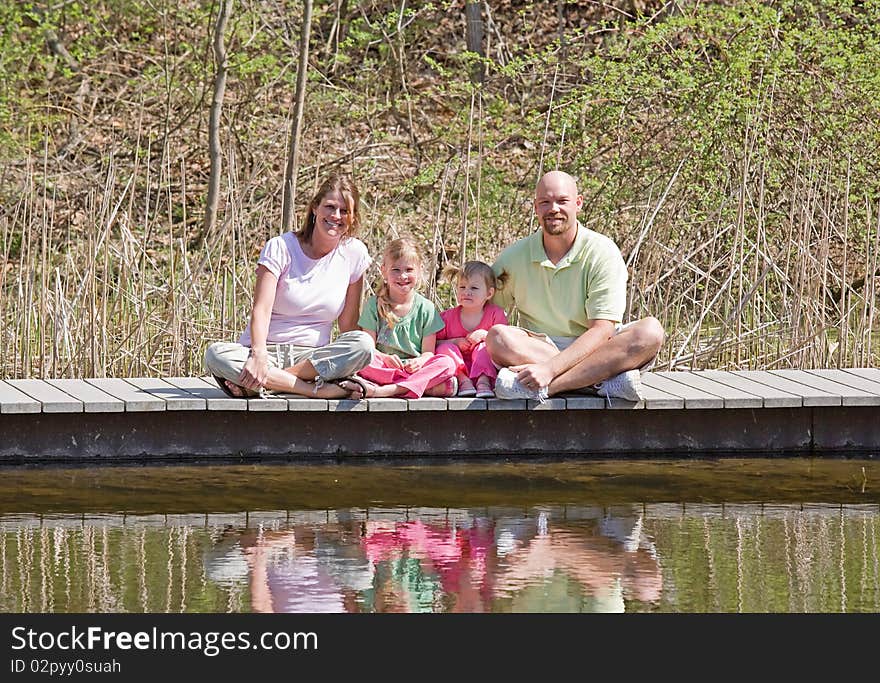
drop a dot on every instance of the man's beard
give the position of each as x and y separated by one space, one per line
554 228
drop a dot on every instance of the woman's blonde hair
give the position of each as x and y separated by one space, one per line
454 273
401 248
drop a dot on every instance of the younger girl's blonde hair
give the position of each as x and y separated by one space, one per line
474 269
401 248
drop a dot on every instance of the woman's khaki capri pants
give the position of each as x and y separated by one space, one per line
344 356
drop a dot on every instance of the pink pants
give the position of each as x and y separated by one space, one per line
475 362
437 370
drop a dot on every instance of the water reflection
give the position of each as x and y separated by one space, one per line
543 558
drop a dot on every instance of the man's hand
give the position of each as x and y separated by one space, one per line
533 375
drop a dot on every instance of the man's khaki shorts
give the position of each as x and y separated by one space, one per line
562 343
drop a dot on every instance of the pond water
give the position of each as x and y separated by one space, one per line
467 536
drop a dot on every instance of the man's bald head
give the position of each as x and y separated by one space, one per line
557 179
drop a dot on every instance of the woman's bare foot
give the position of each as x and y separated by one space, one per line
234 389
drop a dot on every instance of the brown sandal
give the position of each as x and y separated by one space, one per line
226 390
354 380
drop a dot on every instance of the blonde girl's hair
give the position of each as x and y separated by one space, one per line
454 273
344 186
401 248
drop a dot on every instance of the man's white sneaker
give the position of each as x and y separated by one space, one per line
509 387
627 385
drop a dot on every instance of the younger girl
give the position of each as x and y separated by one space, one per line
467 326
404 325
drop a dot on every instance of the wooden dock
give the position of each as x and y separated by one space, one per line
825 412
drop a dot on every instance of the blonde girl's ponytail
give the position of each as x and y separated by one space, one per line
383 305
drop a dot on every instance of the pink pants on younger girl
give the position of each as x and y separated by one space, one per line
475 362
435 371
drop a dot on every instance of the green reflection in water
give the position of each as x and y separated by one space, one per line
726 535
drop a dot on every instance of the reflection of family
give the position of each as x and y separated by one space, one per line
469 563
567 283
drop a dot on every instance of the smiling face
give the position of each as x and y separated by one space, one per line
557 203
332 216
473 292
402 275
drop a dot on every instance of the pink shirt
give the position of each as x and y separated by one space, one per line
492 315
311 293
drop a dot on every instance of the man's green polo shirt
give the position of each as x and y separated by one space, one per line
589 283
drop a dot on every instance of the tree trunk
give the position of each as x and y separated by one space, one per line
214 147
292 169
474 13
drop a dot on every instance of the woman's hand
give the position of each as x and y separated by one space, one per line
255 371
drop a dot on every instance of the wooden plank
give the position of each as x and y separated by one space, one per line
428 403
175 398
303 404
94 400
851 378
584 402
498 403
13 401
772 397
136 401
842 391
387 405
865 392
554 403
269 403
208 390
872 374
693 398
655 399
623 404
465 403
732 397
810 396
346 405
52 398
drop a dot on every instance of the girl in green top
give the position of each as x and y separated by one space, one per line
404 325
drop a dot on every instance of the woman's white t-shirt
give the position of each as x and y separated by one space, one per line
311 292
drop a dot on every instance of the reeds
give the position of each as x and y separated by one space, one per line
122 291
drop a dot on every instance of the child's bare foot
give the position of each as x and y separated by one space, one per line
465 386
446 389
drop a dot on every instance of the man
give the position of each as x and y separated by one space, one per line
569 286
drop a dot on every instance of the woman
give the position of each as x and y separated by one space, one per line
305 281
